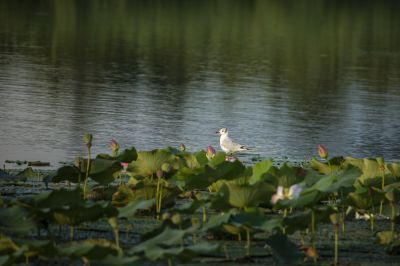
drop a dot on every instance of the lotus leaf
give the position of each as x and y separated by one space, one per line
259 169
285 252
128 155
285 176
334 164
363 199
15 220
111 260
66 173
90 212
28 173
370 168
394 169
149 162
91 249
133 206
245 196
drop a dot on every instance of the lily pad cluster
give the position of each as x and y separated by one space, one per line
195 197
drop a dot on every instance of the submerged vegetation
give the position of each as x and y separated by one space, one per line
199 203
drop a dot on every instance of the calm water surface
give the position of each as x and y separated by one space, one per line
282 76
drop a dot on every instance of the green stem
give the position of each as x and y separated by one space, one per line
329 164
170 262
226 252
372 222
313 233
383 186
248 242
335 262
87 175
393 215
204 214
157 197
71 232
160 198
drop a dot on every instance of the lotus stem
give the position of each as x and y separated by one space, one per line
248 243
170 262
226 252
372 222
330 166
87 175
393 215
204 214
383 186
71 232
335 261
313 233
80 173
157 197
239 237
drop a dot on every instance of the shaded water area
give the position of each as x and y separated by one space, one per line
282 76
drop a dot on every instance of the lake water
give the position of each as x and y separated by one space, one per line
282 76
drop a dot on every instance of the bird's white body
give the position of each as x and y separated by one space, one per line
226 143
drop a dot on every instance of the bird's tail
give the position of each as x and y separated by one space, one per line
244 148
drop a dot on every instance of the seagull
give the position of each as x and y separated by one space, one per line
227 145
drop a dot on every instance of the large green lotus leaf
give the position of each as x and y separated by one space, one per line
104 171
307 198
90 249
119 260
201 158
67 173
58 198
168 237
251 218
297 221
44 248
219 158
369 167
285 176
189 207
392 192
259 169
324 168
15 220
185 254
122 196
217 220
28 173
128 155
148 191
201 178
364 199
285 252
7 246
90 212
149 162
336 180
245 196
394 169
132 207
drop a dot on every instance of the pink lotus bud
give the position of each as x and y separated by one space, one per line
159 173
210 152
125 166
322 152
182 147
114 146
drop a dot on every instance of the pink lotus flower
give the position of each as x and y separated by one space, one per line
322 152
125 167
285 194
210 152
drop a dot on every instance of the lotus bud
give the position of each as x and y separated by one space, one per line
381 162
176 219
159 173
114 147
322 152
210 152
230 159
124 167
182 147
166 167
166 216
87 139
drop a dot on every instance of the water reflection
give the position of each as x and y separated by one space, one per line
283 76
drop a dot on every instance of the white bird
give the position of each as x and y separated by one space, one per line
227 145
